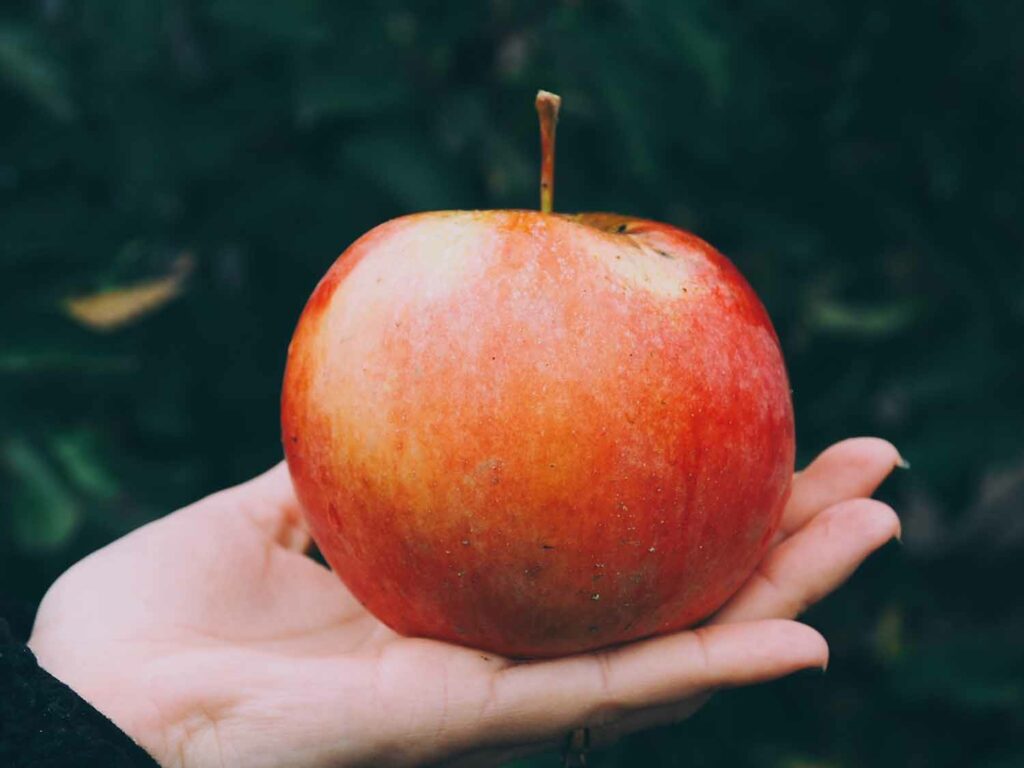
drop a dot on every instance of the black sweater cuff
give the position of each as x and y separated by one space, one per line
45 724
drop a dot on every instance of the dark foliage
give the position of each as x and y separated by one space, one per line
862 163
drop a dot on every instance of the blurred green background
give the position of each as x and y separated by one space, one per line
862 163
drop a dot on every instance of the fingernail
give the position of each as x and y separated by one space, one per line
901 462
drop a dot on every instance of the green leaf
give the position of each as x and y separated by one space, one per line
408 167
706 52
888 638
44 511
833 317
346 94
26 67
970 669
80 457
64 360
287 21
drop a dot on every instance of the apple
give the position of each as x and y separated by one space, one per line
537 433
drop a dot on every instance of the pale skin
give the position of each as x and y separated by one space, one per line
213 640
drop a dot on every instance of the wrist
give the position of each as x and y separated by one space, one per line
43 721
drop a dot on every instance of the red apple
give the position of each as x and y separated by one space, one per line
534 433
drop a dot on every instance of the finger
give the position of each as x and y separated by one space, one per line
269 501
850 469
813 562
541 701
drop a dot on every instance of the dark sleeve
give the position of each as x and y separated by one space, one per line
44 724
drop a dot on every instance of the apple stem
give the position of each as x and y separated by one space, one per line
547 110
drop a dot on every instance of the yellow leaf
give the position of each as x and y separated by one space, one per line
110 309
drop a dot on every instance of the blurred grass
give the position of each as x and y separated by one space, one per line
863 164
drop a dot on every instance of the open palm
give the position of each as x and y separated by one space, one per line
212 639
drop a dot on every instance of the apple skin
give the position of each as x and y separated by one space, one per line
537 434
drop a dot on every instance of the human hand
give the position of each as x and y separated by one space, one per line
211 639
